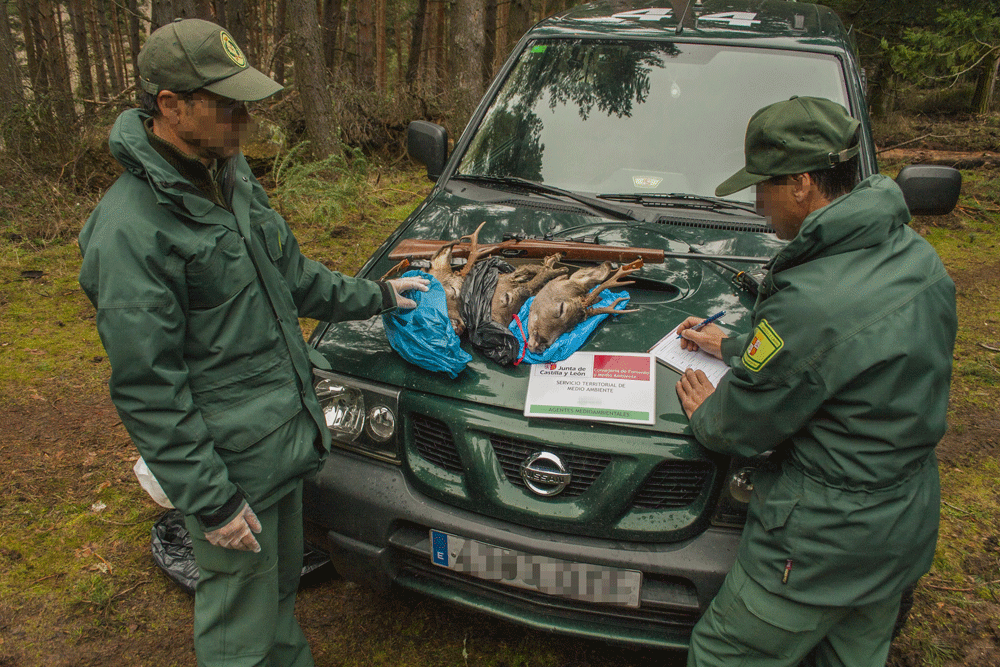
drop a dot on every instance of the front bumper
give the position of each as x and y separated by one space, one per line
375 526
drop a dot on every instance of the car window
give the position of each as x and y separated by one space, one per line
613 116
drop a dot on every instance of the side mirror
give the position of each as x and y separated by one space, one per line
930 189
427 143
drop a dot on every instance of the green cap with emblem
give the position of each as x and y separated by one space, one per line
796 136
192 54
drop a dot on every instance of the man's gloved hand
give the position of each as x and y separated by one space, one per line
400 285
237 533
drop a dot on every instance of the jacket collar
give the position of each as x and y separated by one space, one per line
863 218
131 146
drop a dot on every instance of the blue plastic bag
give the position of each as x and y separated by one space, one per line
424 335
570 341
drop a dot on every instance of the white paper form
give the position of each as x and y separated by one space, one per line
669 351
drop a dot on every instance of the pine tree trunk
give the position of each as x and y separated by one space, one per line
78 22
986 81
332 12
279 42
133 35
95 38
109 54
489 41
11 87
381 49
311 77
465 53
416 45
117 46
365 73
53 63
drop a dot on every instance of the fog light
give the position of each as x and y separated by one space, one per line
381 423
741 485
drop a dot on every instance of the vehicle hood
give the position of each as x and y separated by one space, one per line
664 295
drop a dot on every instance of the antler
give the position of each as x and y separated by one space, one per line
613 281
473 250
396 269
609 310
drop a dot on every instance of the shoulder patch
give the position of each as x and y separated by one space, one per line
764 345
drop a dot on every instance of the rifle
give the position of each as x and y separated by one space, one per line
586 249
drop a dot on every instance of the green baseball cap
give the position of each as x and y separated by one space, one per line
796 136
191 54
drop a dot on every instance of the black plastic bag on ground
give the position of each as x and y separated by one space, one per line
490 338
173 553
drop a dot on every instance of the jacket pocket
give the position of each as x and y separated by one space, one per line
776 507
220 273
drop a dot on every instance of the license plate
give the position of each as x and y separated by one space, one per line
552 576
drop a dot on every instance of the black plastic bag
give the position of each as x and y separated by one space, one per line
491 338
172 551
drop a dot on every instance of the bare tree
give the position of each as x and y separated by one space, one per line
311 77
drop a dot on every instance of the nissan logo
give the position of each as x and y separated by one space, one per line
545 474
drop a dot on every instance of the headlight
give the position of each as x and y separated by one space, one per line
361 416
734 500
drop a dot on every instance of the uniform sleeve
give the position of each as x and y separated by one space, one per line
318 292
771 392
141 321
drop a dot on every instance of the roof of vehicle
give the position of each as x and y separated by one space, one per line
767 23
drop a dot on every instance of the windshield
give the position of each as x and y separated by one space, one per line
635 117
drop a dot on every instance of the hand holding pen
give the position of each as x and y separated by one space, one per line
701 334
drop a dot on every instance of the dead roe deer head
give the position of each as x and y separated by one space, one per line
564 302
513 289
452 280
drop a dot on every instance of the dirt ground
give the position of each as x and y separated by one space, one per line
65 444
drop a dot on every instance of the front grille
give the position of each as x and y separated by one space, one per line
673 484
584 467
434 443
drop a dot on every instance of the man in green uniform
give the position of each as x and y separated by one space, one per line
845 377
198 286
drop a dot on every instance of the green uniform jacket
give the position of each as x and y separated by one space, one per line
198 307
846 377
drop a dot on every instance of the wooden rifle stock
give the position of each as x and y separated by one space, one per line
530 248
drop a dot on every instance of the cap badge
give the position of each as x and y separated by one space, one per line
232 50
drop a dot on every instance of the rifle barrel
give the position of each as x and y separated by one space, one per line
572 251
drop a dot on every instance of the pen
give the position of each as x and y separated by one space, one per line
698 327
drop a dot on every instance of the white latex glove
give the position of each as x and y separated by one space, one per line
400 285
237 533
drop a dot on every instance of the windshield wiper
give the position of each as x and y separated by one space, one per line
685 201
515 182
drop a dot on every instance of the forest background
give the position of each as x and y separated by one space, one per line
77 584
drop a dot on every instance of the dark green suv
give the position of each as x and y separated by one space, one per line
615 122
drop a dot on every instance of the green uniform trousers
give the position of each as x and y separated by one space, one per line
244 604
748 625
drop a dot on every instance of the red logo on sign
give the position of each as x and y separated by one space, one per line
618 367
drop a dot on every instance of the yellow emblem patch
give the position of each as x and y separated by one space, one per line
232 50
764 345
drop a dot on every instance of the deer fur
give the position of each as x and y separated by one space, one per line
513 289
452 280
566 301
